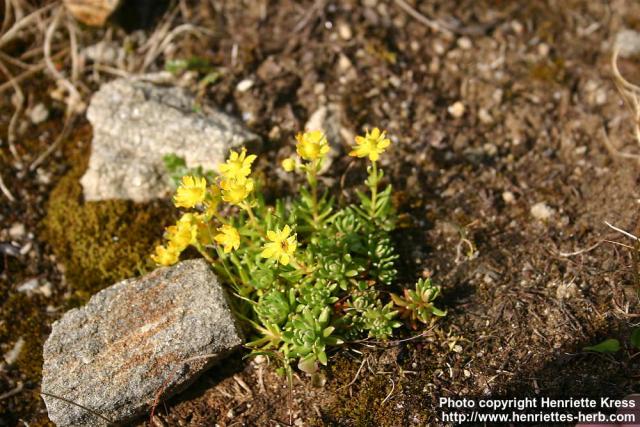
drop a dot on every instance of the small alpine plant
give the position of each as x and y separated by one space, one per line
307 274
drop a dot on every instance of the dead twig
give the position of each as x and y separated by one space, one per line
619 230
12 392
355 378
433 24
184 28
11 131
393 388
31 71
71 402
630 94
74 95
441 26
24 22
6 191
613 150
581 251
66 128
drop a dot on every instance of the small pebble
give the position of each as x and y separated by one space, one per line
344 31
508 197
38 114
456 109
17 231
464 43
543 49
46 289
12 355
541 211
244 85
29 286
628 42
484 116
344 63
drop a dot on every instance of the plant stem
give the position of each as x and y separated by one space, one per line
373 181
299 265
312 178
252 218
204 253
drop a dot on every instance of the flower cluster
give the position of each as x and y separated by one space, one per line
309 274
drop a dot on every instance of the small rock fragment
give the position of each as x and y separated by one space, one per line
541 211
104 52
464 43
139 336
344 31
628 43
12 355
38 114
508 197
244 85
17 231
567 291
456 109
29 286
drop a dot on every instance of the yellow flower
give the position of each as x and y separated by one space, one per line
228 237
281 247
191 192
372 144
236 190
203 231
166 255
184 233
288 165
238 165
312 145
212 202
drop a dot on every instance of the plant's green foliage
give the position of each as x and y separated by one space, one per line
309 274
418 304
194 63
635 338
610 345
177 167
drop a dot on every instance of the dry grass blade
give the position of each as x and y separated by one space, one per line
63 135
631 95
74 96
441 26
11 131
35 69
157 50
620 230
23 23
431 23
71 402
6 191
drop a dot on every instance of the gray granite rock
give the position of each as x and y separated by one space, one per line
133 339
136 123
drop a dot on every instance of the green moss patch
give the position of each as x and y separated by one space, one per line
100 243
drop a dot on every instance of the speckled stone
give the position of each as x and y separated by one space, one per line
133 339
136 123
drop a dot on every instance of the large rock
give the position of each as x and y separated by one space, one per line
136 123
133 339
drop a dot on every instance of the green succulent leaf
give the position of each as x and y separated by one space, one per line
610 345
